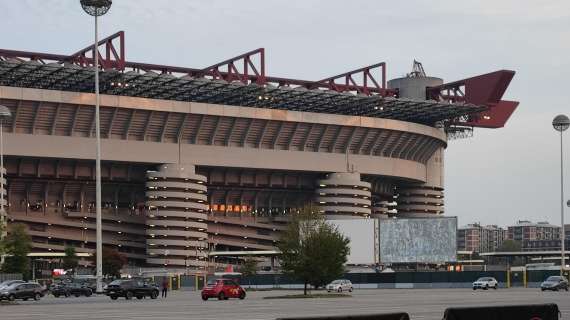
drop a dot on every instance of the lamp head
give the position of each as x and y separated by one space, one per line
561 123
96 7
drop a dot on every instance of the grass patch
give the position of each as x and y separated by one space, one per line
310 296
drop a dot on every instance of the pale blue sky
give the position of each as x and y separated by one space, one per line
496 177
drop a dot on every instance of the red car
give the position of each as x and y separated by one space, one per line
223 289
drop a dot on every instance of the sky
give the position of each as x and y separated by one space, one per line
498 176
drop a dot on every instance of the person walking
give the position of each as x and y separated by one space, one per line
164 287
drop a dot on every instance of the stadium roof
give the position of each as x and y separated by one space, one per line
242 83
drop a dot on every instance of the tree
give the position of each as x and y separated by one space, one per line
113 261
510 246
249 267
70 260
17 244
312 250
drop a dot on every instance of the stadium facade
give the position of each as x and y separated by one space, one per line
218 158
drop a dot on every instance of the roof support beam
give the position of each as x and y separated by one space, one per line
198 127
365 136
349 141
36 116
15 119
293 132
74 122
304 145
246 132
129 124
262 135
148 120
216 128
335 139
112 121
54 122
227 139
164 125
181 127
277 133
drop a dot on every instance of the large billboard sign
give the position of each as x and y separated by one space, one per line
423 240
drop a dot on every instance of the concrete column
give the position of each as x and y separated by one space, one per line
343 195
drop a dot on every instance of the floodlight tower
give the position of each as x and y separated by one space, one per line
97 8
560 124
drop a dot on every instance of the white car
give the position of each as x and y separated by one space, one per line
485 283
340 286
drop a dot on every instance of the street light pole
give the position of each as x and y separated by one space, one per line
97 8
560 124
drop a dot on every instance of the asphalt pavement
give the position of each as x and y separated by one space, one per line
419 303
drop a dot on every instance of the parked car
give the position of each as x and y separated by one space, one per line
130 288
76 289
8 283
24 291
223 289
485 283
554 283
340 286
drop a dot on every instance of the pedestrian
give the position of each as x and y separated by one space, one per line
164 287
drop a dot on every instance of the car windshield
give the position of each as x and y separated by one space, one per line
212 282
336 282
116 282
484 279
553 278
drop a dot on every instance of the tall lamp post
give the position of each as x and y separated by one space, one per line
560 124
4 115
97 8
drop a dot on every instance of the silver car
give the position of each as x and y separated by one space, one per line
340 286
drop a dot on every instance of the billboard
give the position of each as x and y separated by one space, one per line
423 240
363 235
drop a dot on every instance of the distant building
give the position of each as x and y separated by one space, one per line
526 231
478 238
544 245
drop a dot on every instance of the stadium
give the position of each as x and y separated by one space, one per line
217 158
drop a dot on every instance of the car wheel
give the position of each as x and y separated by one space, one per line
350 290
128 295
11 297
37 296
66 294
114 297
204 298
56 295
88 293
339 290
77 294
486 287
242 295
154 295
474 288
566 288
25 299
495 287
221 296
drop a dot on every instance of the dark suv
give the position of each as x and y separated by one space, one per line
130 288
24 291
76 289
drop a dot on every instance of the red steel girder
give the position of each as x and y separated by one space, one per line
349 83
113 59
248 73
484 90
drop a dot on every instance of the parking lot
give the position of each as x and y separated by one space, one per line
419 303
